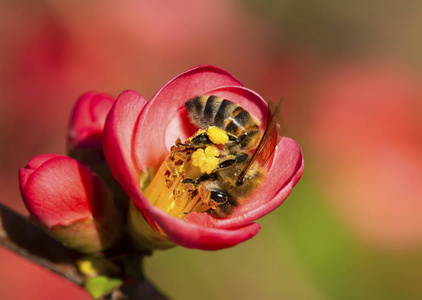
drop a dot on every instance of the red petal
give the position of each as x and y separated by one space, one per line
118 143
34 163
285 172
191 235
150 148
24 175
194 235
38 160
57 192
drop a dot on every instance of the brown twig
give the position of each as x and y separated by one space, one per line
31 242
28 240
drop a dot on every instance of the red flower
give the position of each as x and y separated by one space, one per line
70 202
138 135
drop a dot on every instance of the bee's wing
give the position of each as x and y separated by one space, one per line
270 139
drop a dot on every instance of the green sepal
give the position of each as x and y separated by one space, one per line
145 238
101 285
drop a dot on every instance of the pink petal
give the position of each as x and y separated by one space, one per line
34 163
57 192
118 142
38 160
150 148
196 236
88 118
24 175
285 172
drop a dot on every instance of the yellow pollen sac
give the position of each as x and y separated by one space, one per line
211 151
217 136
206 160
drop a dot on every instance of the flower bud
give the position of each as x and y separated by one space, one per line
87 121
70 202
84 140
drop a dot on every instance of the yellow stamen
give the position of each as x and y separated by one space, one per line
169 192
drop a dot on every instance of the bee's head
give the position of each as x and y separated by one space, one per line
224 203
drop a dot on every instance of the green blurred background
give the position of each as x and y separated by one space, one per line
350 73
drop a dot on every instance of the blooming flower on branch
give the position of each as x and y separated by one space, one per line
140 143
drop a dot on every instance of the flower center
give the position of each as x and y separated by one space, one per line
177 187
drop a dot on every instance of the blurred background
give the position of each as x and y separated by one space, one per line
350 74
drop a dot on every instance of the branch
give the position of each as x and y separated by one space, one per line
30 241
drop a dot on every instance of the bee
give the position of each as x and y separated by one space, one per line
239 173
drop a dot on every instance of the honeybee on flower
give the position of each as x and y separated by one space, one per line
199 189
222 171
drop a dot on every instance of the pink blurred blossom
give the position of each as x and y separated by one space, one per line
366 129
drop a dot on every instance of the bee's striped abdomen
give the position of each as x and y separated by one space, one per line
207 110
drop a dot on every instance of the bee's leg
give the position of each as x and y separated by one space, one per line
188 180
229 162
201 140
202 178
233 138
241 157
214 212
187 144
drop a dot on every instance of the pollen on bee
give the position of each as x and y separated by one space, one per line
217 135
207 160
167 189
